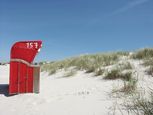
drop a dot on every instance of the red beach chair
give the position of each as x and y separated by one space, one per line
24 76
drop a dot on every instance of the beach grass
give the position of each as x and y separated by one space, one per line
141 105
143 53
89 63
117 74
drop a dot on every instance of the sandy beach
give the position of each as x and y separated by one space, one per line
81 94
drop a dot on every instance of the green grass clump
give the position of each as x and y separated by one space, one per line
129 86
99 72
51 68
126 76
121 53
116 74
52 71
142 106
148 62
125 66
70 73
150 71
143 54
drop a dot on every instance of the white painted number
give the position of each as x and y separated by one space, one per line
31 45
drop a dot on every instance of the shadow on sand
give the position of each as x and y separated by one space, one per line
4 90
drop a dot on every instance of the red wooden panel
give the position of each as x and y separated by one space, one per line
30 79
22 77
13 87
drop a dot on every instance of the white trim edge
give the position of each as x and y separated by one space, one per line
25 62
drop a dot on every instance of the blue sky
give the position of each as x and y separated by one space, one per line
73 27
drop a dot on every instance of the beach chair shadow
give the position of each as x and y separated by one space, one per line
4 90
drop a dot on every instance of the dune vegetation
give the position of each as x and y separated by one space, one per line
88 63
141 105
111 66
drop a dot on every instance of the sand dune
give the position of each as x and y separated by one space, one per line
81 94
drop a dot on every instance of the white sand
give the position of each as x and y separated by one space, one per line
81 94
